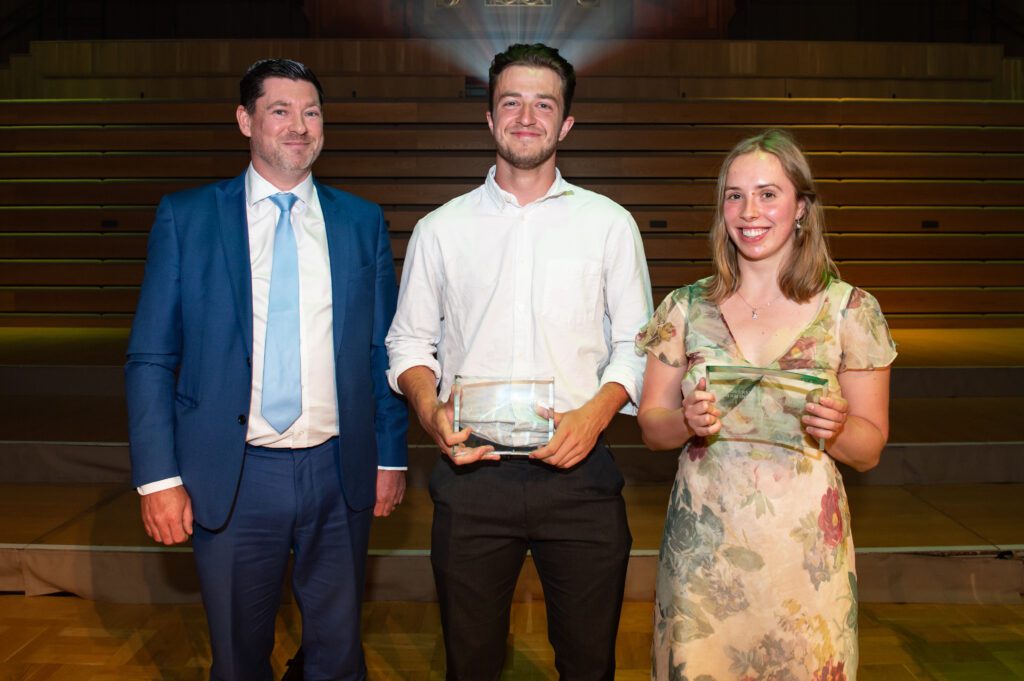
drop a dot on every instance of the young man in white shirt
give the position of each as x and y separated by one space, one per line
526 276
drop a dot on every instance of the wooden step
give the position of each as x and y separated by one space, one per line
920 247
378 136
714 112
113 219
79 536
421 165
624 191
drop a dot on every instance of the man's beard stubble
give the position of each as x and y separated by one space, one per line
276 157
526 161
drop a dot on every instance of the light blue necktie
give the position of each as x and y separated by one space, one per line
282 382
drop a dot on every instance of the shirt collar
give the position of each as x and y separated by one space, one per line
500 197
258 188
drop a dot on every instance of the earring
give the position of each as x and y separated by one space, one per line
798 226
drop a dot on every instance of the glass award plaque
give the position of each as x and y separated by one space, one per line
515 414
765 405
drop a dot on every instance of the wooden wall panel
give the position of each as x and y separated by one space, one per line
923 198
610 67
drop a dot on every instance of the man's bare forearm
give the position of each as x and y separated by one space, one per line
606 403
419 385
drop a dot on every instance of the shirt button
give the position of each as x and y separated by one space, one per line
241 419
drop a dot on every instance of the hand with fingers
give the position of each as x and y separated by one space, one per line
438 425
576 433
825 418
167 515
390 491
699 410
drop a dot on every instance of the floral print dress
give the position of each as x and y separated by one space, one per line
756 576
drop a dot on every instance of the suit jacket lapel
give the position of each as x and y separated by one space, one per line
234 233
339 250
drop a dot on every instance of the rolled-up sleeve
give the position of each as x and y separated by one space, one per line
417 327
628 307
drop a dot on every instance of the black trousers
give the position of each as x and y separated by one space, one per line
486 516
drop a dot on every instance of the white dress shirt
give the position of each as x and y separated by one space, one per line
556 288
318 421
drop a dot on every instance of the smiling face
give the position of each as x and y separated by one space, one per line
527 122
760 206
285 130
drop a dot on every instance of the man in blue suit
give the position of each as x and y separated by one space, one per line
260 417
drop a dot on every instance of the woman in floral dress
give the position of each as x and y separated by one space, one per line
756 577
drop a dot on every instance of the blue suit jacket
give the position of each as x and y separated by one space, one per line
189 371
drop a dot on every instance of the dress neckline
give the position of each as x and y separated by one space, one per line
738 351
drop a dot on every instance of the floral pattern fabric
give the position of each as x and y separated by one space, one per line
756 576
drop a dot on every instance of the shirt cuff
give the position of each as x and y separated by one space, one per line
159 485
628 382
400 366
392 468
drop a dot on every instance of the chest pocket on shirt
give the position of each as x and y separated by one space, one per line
572 291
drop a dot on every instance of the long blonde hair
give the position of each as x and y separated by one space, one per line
810 268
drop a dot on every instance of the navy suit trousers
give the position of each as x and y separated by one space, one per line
288 500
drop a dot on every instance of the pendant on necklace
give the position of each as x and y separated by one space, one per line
753 313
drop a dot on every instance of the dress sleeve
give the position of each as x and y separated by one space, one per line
864 333
664 335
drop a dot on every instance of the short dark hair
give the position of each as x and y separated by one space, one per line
250 88
537 54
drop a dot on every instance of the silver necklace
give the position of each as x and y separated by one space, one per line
753 310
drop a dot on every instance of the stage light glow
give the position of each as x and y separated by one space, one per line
473 31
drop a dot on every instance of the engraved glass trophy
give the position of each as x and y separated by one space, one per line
765 406
515 414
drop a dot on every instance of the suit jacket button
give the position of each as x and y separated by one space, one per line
242 419
248 360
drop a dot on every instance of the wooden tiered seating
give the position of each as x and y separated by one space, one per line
924 199
414 69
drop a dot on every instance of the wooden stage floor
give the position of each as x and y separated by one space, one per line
71 639
940 563
87 539
908 518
